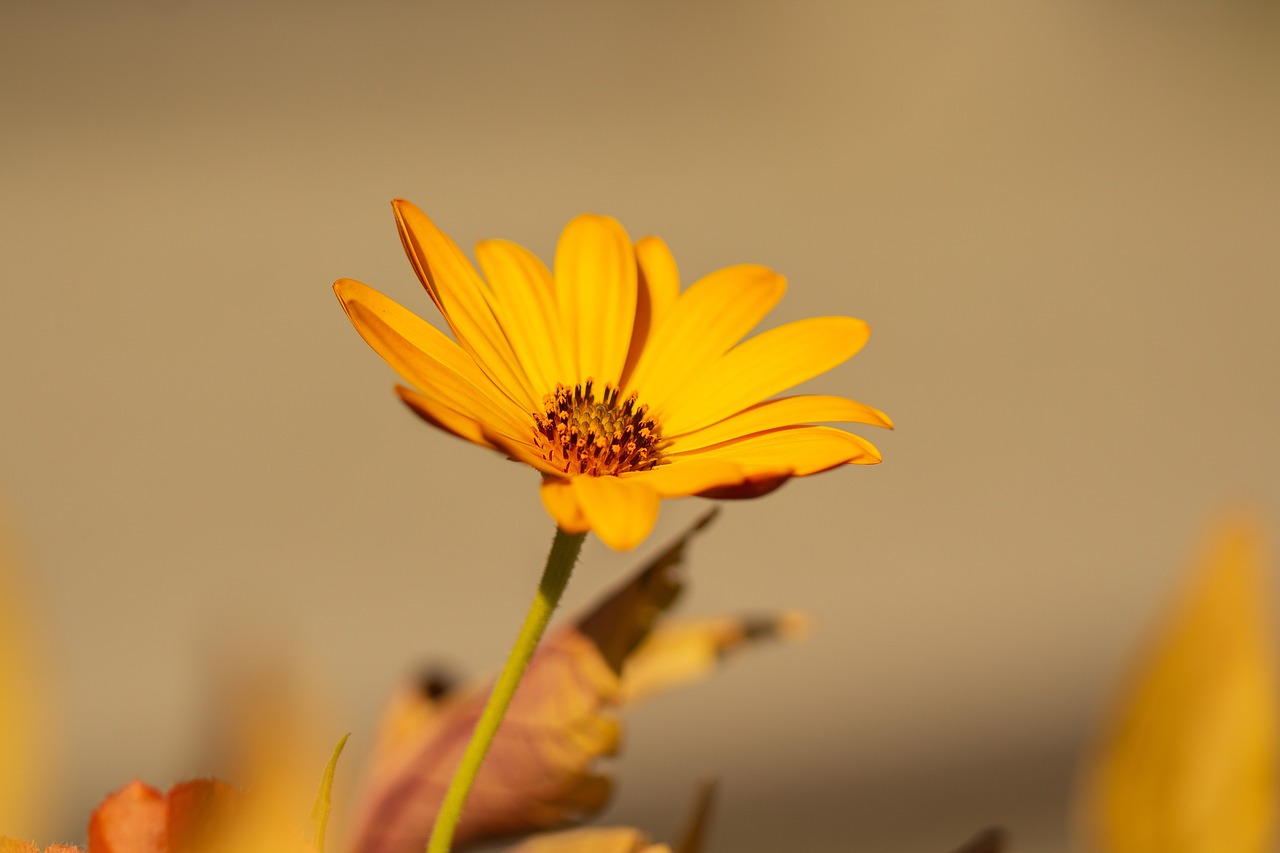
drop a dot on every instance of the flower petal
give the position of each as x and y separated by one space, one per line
444 417
463 299
798 451
522 451
525 304
621 512
749 489
596 290
709 318
425 357
681 478
784 412
562 505
758 368
656 291
661 276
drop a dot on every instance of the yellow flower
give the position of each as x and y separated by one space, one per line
618 387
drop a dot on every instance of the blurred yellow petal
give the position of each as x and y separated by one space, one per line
1188 760
621 512
595 274
463 299
710 317
24 708
271 735
760 367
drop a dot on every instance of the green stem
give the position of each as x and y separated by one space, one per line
564 553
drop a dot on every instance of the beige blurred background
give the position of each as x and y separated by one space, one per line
1062 221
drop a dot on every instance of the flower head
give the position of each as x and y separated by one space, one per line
617 386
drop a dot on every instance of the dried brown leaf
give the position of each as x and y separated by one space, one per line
988 841
540 771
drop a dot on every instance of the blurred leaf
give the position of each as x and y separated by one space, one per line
1188 760
538 774
619 623
988 841
324 799
694 837
626 839
679 653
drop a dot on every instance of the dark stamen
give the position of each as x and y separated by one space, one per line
579 435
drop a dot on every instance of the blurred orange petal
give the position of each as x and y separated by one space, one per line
198 812
132 820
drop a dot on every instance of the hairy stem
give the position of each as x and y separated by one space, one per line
564 553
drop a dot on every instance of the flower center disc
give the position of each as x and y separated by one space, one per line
581 435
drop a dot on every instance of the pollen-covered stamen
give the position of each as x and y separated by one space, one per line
579 434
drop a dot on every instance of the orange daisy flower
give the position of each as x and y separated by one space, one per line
606 377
